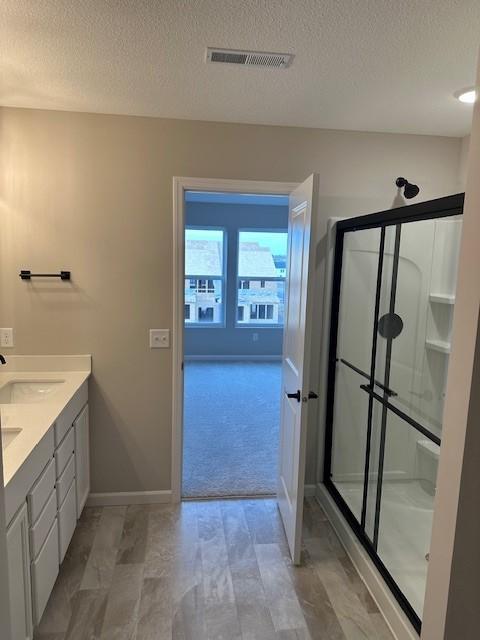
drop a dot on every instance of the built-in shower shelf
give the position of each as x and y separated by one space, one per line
442 298
438 345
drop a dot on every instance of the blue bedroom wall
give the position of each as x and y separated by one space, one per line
230 340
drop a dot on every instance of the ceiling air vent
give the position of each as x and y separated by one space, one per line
250 58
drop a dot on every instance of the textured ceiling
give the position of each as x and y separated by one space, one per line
375 65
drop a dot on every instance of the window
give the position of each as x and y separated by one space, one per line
261 311
204 276
261 271
205 315
203 285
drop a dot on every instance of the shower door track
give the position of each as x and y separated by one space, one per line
433 209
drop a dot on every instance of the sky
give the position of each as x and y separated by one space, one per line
203 234
275 241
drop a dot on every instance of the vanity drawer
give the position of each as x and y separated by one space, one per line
44 573
64 451
65 480
40 492
71 411
67 521
40 530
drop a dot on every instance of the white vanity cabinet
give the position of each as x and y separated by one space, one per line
19 576
44 572
43 537
46 497
72 466
82 458
67 513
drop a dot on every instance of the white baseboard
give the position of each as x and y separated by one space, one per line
309 490
128 497
395 618
251 358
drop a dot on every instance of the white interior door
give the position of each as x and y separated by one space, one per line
296 360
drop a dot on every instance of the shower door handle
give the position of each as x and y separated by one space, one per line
388 392
297 396
367 388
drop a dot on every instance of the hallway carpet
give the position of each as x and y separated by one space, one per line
231 428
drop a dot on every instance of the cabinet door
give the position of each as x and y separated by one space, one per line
44 573
19 577
67 521
82 458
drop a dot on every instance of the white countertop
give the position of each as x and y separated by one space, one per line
35 419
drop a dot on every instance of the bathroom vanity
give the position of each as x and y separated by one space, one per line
45 443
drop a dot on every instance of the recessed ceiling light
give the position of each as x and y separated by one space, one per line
468 96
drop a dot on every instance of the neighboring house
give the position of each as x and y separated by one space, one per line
260 299
203 283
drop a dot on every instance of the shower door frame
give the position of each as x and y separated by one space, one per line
440 208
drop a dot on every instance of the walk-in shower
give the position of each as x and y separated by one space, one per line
392 305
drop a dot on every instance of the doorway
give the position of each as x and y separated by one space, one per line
235 266
295 392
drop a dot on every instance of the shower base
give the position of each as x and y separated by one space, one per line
404 533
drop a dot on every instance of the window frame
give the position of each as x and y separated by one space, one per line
257 324
223 279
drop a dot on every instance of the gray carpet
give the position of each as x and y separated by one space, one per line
231 428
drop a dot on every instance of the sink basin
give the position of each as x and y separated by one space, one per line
29 391
8 435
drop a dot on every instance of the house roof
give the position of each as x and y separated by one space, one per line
255 260
203 258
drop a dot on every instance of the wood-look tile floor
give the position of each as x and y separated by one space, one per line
213 570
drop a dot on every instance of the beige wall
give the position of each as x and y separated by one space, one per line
463 163
93 193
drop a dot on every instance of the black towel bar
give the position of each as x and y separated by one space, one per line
26 274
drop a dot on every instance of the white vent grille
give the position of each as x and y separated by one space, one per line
249 58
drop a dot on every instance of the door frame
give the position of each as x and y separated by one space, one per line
433 209
180 185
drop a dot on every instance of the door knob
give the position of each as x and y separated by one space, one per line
297 395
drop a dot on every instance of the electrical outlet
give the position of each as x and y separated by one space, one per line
255 337
159 338
6 337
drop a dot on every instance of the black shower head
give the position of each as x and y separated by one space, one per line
410 191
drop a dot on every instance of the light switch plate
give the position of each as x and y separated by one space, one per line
159 338
6 337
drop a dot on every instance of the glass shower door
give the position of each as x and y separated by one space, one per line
361 254
393 294
399 507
